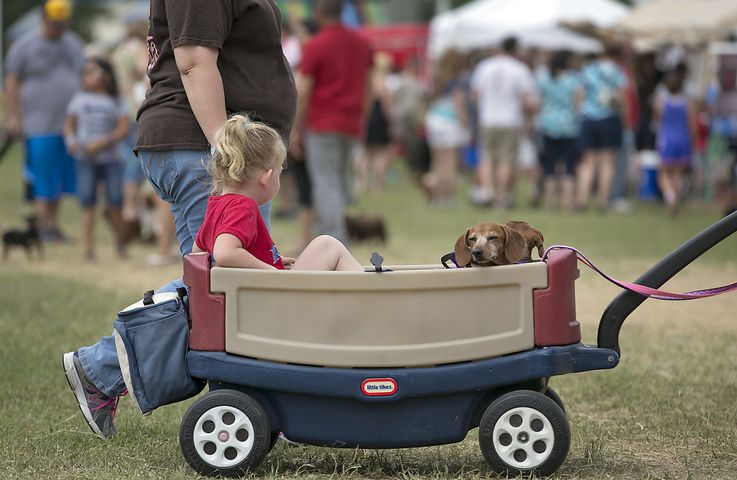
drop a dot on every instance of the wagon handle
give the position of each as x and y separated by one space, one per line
626 302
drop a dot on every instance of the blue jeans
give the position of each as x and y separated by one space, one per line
89 175
179 177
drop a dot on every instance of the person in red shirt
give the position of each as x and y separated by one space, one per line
245 170
331 104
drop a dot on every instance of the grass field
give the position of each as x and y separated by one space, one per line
668 411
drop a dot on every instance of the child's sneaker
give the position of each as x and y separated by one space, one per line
97 408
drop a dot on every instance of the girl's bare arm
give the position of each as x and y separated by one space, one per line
229 252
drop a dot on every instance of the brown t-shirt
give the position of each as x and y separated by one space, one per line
256 76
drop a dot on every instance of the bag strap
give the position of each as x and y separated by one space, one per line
148 298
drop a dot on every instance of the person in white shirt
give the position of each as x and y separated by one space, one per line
506 93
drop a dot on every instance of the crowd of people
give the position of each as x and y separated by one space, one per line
76 115
571 126
566 124
571 123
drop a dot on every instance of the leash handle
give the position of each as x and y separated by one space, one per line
642 289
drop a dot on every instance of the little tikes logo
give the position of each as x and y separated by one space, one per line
376 387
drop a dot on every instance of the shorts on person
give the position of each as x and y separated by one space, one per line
601 134
559 151
91 174
443 126
501 144
51 170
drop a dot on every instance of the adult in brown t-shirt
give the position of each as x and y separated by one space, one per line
207 59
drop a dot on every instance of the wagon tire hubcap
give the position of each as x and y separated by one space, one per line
523 438
223 436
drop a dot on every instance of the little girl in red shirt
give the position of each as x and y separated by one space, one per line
245 170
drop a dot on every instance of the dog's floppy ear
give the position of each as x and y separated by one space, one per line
539 242
514 246
463 253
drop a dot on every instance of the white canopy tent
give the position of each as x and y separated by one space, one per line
686 22
484 23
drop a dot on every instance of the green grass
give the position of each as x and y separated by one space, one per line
668 411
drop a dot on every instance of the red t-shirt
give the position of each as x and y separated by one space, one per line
338 60
238 215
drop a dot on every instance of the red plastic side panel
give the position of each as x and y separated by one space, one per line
207 311
555 306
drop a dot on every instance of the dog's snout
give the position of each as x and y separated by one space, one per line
477 252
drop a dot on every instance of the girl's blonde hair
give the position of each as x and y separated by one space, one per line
242 148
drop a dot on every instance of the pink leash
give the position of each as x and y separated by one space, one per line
642 289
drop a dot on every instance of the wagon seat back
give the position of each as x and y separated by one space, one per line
206 310
554 307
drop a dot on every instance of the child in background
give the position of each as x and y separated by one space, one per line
675 117
245 170
97 121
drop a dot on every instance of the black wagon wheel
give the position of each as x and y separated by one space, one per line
225 433
524 432
553 395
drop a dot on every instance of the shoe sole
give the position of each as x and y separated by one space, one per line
75 383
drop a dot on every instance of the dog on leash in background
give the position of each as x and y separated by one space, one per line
489 244
28 239
365 227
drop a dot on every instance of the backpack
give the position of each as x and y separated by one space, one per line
152 339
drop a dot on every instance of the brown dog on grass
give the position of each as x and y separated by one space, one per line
488 244
366 227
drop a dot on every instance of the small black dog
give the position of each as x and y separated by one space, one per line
26 239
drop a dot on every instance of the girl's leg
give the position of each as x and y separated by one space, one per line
114 192
326 253
585 178
567 192
678 179
443 170
87 224
87 193
550 187
606 175
665 183
444 165
381 162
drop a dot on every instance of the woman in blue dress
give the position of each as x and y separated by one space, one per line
675 118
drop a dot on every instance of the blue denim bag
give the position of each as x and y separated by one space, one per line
151 339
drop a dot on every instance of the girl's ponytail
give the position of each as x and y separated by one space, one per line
242 147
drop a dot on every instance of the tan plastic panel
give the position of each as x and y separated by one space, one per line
393 319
